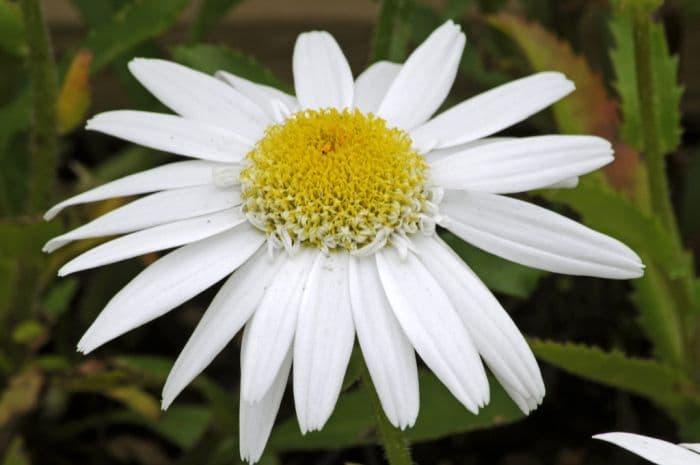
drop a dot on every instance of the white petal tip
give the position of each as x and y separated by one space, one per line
52 212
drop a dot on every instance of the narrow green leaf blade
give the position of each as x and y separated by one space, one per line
210 12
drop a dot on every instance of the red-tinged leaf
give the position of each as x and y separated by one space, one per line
589 110
74 98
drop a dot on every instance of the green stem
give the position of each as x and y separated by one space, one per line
396 446
44 84
654 156
392 32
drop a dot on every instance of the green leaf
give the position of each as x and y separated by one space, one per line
648 378
210 12
183 425
211 58
353 421
498 274
14 119
667 92
11 29
20 395
58 297
28 331
96 12
134 24
393 30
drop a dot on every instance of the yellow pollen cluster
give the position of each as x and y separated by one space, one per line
334 179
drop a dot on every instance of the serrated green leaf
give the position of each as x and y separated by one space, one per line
498 274
211 58
648 378
134 24
353 421
667 92
210 12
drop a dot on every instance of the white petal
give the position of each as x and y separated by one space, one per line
152 210
495 335
433 327
271 329
425 79
170 281
521 164
323 341
372 84
654 450
171 176
568 183
226 315
536 237
174 134
322 76
437 154
166 236
256 419
693 447
259 93
387 351
493 111
199 96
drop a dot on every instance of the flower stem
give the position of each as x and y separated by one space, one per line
44 85
654 156
396 446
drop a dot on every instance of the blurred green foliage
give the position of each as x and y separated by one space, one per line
56 405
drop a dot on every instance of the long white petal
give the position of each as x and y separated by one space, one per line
152 210
493 111
259 93
520 165
536 237
271 329
200 96
171 176
433 327
323 341
165 236
372 84
693 447
652 449
495 335
387 351
170 281
226 315
174 134
322 76
256 419
425 79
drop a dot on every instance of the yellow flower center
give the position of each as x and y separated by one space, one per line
334 179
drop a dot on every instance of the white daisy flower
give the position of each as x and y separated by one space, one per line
322 207
655 450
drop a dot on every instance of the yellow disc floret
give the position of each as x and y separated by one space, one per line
334 179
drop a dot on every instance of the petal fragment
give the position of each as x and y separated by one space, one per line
200 96
322 76
433 327
519 165
152 210
536 237
496 337
174 134
165 236
323 341
371 86
387 351
170 281
171 176
425 79
493 111
226 315
271 329
259 93
652 449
